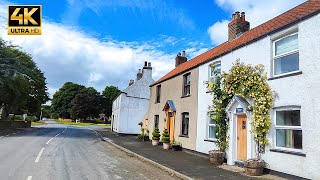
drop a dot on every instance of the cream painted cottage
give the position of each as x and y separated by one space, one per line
289 48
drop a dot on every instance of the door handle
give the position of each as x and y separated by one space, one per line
238 137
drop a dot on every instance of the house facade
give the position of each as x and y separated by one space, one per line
289 48
130 107
173 106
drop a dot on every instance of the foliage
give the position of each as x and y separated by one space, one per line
165 136
217 112
61 102
176 143
109 94
86 104
22 84
46 111
249 82
156 134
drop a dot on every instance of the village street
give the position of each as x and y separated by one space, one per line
56 151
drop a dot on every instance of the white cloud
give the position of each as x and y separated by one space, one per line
193 52
257 12
66 53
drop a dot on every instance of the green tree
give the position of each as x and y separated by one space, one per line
61 101
22 84
109 94
87 103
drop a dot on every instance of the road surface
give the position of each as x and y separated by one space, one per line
56 151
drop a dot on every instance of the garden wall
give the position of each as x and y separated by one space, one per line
14 124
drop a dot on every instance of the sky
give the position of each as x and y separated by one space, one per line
100 43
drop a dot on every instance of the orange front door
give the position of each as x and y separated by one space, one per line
171 129
242 137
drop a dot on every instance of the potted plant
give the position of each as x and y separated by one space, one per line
155 137
176 146
165 139
141 135
254 166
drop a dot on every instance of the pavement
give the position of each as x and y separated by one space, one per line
56 151
189 164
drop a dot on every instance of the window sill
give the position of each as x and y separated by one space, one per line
288 152
186 96
286 75
209 140
186 136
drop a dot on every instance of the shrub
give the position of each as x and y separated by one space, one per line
165 136
156 134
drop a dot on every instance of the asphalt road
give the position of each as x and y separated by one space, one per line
56 151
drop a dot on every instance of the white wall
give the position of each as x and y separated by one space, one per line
302 90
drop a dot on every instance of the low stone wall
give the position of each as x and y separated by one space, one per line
14 124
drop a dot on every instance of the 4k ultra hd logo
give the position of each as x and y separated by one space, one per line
24 20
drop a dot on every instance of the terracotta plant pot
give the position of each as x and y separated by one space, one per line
155 142
216 157
166 145
254 167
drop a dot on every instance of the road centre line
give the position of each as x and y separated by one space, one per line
39 155
29 178
49 141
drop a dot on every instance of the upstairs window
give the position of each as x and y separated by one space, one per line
214 70
158 93
286 55
288 129
185 124
186 84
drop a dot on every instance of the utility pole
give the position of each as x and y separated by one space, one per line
41 114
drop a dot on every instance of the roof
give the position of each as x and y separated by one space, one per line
169 104
244 103
297 14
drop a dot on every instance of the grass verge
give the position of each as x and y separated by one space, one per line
36 123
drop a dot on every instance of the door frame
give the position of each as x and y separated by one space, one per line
169 124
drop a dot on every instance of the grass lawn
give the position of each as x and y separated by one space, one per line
35 123
81 124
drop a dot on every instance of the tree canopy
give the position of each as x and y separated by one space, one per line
109 94
22 84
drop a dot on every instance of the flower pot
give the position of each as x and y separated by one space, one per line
216 157
155 142
166 145
176 147
254 167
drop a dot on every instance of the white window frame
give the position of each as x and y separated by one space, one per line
210 67
208 127
286 127
274 56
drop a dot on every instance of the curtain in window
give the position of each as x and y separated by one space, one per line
287 44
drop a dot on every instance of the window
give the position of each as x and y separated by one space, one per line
288 129
211 128
186 84
286 55
185 124
158 94
156 121
214 70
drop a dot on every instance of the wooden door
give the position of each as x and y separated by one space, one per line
171 129
242 137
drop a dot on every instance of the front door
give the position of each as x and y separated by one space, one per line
171 125
242 137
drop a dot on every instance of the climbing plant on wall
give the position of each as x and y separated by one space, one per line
250 82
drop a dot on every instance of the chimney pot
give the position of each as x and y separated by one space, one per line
145 64
181 58
183 53
149 64
237 27
131 82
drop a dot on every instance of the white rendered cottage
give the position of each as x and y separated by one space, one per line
289 48
130 107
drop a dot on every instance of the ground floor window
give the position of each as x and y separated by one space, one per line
185 124
156 121
288 129
211 128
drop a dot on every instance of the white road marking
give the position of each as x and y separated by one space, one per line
49 141
29 178
39 155
57 135
13 133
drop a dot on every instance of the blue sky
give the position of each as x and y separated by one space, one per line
104 42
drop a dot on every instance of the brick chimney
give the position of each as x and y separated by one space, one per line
131 82
139 75
238 25
181 58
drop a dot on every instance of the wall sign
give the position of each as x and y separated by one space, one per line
239 110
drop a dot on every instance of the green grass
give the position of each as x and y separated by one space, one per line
35 123
81 124
102 124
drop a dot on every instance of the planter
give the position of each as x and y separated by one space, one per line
176 147
216 157
254 167
155 142
166 145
